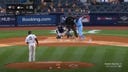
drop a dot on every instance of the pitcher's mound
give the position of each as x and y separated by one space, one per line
49 65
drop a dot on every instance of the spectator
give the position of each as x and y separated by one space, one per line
2 10
51 6
43 5
66 4
49 10
59 5
115 2
54 10
94 2
74 5
42 1
62 10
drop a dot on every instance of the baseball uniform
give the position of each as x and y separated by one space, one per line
60 31
30 40
79 26
69 22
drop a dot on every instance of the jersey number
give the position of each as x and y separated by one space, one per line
30 38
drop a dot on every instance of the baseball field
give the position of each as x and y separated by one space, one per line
106 48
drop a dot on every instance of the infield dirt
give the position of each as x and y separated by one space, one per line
49 65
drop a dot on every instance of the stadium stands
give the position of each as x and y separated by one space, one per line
63 6
74 6
101 13
4 2
13 1
109 8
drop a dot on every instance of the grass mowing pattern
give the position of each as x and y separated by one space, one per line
123 33
125 62
93 54
21 33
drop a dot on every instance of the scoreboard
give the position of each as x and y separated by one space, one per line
20 9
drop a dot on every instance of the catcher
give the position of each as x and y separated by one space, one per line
62 31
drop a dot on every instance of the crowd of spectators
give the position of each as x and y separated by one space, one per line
75 6
113 6
97 2
63 6
59 6
3 4
80 6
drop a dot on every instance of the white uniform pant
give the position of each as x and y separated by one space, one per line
32 48
59 34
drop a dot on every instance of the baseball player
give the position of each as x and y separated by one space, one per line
62 31
32 41
79 25
70 25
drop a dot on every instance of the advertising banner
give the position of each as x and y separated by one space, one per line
104 19
36 20
7 20
122 19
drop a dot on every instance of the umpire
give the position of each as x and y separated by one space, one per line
69 23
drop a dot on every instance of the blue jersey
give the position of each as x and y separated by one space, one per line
78 22
79 26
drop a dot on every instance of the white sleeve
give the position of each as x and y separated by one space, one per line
26 40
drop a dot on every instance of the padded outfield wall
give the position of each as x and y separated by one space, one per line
93 19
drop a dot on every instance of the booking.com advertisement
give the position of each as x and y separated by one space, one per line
36 20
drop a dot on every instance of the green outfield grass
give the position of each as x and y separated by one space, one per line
123 33
20 33
102 56
98 55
